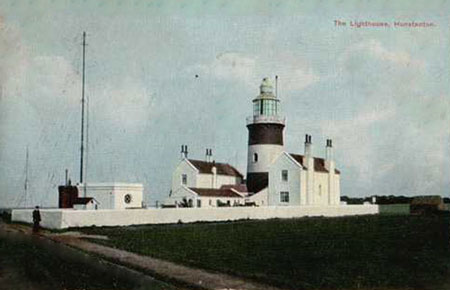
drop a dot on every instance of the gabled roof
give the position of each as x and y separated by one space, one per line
237 187
83 200
222 168
214 192
319 163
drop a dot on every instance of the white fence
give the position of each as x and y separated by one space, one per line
67 218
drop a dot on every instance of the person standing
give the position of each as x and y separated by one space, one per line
36 219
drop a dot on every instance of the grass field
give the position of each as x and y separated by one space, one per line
30 262
348 252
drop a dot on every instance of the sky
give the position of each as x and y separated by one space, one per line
381 93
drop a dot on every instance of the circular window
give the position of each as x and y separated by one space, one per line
127 198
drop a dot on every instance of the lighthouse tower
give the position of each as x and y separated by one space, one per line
265 137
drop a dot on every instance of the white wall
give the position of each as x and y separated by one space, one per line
277 185
261 198
337 188
103 194
90 205
184 192
206 180
227 180
211 201
178 195
184 167
50 218
321 188
62 218
303 187
112 195
119 194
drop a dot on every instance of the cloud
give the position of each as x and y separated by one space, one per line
375 49
395 138
293 72
13 59
127 104
354 137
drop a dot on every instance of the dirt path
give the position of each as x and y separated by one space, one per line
30 261
161 269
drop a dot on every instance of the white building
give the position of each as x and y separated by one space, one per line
197 183
274 176
85 203
113 195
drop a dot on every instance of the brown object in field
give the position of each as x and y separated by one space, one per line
427 204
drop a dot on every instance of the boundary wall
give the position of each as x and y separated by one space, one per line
69 218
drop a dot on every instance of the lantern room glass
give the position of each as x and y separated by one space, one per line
265 107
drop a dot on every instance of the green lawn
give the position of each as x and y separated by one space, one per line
349 252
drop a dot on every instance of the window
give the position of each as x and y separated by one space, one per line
255 157
184 179
284 175
210 202
127 198
268 107
320 189
256 109
284 196
199 203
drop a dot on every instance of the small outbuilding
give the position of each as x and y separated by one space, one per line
85 203
427 204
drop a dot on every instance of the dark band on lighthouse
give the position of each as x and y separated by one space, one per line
265 133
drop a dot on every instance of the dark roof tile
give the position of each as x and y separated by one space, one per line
237 187
222 168
319 163
215 192
83 200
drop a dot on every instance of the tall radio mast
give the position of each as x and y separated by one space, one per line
82 111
